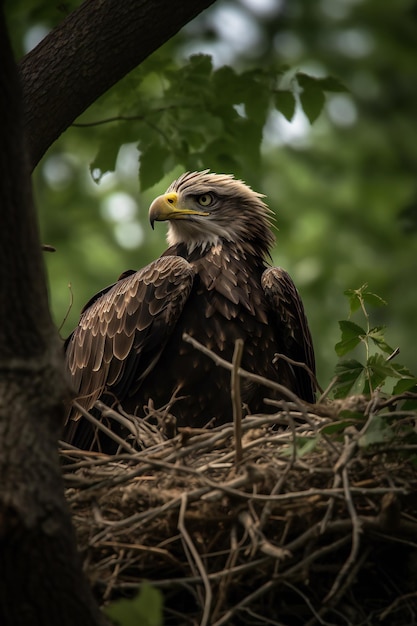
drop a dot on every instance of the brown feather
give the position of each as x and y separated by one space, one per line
288 312
108 331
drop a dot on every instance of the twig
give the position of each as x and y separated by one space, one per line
356 566
103 428
71 302
330 507
144 433
347 453
397 601
313 556
236 399
114 575
328 389
245 602
108 120
266 511
260 380
217 576
107 411
127 118
317 616
224 582
304 366
284 405
356 530
197 559
258 539
260 617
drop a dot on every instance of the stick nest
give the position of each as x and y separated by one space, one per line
314 524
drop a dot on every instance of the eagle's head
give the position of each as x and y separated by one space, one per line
204 209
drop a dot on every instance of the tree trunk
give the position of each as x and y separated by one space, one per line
85 55
41 581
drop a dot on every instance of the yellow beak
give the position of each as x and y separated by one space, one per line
167 207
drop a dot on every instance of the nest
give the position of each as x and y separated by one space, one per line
297 519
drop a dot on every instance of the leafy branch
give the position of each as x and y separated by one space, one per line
378 366
197 116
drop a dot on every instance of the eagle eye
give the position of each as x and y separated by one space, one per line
205 199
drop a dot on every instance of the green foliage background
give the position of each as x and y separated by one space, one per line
344 188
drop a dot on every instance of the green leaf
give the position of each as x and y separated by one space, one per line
285 103
106 157
359 296
248 137
405 384
193 79
151 168
227 85
220 155
312 96
373 299
336 427
351 378
330 83
354 416
112 137
410 404
378 337
354 298
378 431
252 89
145 609
256 96
303 445
196 127
402 370
352 334
201 64
379 369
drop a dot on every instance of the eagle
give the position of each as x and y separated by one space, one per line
215 283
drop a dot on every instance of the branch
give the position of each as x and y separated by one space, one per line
236 399
188 542
91 50
100 426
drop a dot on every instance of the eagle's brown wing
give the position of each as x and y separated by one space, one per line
123 331
287 312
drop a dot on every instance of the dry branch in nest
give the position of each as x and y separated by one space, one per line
308 527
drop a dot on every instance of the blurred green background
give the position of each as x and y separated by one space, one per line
344 189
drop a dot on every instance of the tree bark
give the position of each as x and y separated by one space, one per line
85 55
41 581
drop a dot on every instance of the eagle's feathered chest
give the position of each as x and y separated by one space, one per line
228 281
226 302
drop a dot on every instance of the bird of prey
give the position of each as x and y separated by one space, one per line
215 283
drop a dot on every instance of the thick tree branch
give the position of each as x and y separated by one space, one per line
41 581
85 55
